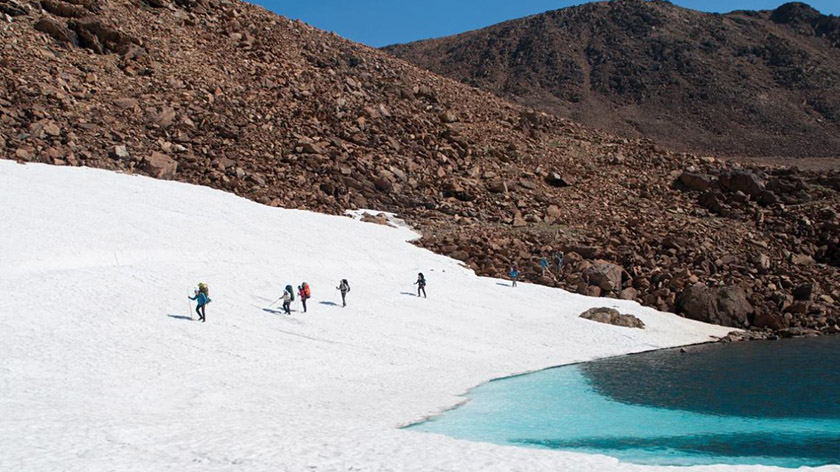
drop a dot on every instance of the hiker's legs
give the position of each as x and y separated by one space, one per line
303 300
203 313
198 311
286 307
424 291
343 301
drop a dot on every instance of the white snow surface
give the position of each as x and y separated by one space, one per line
100 370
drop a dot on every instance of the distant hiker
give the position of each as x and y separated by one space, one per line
304 293
343 287
514 273
558 259
421 284
201 301
288 297
543 265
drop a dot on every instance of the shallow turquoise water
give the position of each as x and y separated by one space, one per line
772 403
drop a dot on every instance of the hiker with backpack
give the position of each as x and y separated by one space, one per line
514 274
558 259
543 266
288 297
343 287
201 300
421 284
304 293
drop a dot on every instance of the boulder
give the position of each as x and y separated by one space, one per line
606 275
629 293
740 181
727 306
613 317
806 291
694 181
160 166
769 321
56 30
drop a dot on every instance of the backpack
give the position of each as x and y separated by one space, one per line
291 291
202 287
346 284
306 291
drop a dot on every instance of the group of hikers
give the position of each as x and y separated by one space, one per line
201 295
558 261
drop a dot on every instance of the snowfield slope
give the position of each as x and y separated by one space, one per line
101 369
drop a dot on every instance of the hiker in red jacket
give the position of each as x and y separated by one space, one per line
304 293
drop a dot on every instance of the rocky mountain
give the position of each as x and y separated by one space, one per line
225 94
746 83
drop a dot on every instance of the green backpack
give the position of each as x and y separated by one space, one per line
202 287
291 291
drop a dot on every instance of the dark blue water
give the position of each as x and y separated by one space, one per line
772 403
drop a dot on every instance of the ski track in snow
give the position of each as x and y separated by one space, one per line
100 369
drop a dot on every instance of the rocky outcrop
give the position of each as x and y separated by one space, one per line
613 317
727 306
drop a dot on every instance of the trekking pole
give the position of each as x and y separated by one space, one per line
190 303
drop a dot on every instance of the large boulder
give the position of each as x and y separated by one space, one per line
161 166
613 317
605 275
695 181
727 306
740 181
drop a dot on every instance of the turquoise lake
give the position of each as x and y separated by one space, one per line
772 403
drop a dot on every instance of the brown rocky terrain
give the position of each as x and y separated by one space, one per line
225 94
746 83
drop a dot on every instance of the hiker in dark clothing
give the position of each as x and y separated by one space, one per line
201 301
343 287
287 300
558 259
421 284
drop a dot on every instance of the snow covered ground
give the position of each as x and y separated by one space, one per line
102 369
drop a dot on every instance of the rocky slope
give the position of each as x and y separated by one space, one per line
746 83
225 94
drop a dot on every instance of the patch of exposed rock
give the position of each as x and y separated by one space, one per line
613 317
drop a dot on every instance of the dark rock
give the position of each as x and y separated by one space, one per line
727 306
56 30
694 181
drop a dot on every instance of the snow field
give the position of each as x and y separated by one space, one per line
100 369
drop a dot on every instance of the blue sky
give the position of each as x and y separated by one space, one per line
382 22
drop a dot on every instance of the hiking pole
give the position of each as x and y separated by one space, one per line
190 303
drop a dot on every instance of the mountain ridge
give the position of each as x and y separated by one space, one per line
751 83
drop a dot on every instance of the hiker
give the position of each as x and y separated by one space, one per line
201 301
514 273
343 287
558 259
543 266
421 284
288 297
304 293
